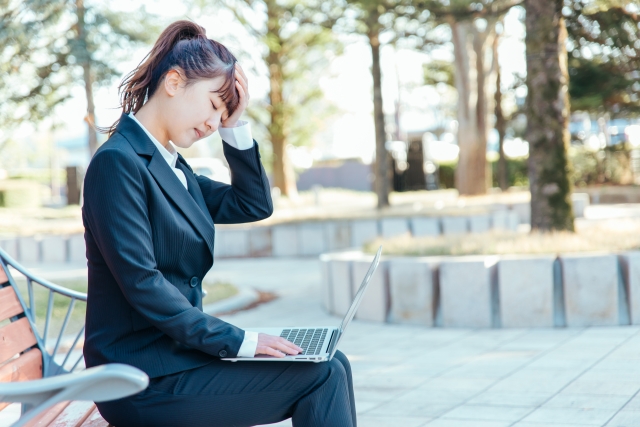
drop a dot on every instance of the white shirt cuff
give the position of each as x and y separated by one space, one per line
249 345
238 137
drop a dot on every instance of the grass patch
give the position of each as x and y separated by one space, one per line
609 236
217 291
60 306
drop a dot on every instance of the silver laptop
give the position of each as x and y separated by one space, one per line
318 342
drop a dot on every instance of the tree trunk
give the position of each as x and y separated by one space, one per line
548 116
474 84
88 79
91 109
382 178
503 179
283 173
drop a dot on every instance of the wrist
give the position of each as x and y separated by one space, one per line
230 124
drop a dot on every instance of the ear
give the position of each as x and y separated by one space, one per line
172 82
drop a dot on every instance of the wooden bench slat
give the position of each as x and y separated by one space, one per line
95 420
9 303
25 368
44 419
74 414
17 337
14 338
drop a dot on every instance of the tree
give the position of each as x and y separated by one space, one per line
472 27
501 122
548 115
294 36
378 20
604 55
49 47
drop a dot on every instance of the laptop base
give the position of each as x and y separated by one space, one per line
322 356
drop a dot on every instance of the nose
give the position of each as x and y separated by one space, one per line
213 122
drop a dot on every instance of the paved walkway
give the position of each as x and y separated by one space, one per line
410 376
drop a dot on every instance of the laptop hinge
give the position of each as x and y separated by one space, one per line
332 342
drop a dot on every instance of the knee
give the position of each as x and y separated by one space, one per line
335 368
342 358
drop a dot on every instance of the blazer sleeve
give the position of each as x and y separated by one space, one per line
248 198
115 208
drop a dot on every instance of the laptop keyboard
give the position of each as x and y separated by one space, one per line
309 340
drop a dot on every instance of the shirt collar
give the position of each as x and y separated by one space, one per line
170 154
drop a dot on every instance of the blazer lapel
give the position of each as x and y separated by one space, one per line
194 188
167 180
175 191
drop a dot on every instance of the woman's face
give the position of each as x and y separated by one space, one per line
192 112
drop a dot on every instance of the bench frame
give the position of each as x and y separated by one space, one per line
59 383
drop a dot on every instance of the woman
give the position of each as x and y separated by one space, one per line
149 231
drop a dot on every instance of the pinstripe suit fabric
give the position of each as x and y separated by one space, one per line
149 244
313 395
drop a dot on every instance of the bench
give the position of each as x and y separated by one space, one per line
54 389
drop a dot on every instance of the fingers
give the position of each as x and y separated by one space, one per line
269 351
241 91
291 345
240 71
287 347
242 79
276 346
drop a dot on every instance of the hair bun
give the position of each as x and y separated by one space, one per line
184 30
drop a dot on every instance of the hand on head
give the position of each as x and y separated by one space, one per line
242 85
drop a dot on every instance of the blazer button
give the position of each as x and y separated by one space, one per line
222 353
194 282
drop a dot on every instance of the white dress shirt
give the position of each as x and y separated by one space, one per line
238 137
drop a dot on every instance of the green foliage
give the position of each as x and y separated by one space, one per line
299 45
517 173
44 47
20 194
438 72
446 175
609 166
595 85
604 54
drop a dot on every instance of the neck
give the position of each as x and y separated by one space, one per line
149 116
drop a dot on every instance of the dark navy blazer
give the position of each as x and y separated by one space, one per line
150 243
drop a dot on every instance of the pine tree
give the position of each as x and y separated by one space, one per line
49 47
294 36
604 55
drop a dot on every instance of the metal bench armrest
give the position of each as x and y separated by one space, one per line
98 384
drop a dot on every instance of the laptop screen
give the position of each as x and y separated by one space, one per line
356 300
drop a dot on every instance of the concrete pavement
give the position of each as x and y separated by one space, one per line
413 376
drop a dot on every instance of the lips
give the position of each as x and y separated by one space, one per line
198 133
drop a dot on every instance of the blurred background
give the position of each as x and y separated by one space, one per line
370 102
437 128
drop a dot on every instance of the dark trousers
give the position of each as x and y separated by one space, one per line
226 394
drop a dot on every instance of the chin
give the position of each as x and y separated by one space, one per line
183 143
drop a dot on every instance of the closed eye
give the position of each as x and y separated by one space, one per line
214 107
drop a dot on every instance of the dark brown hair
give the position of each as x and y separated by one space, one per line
182 45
